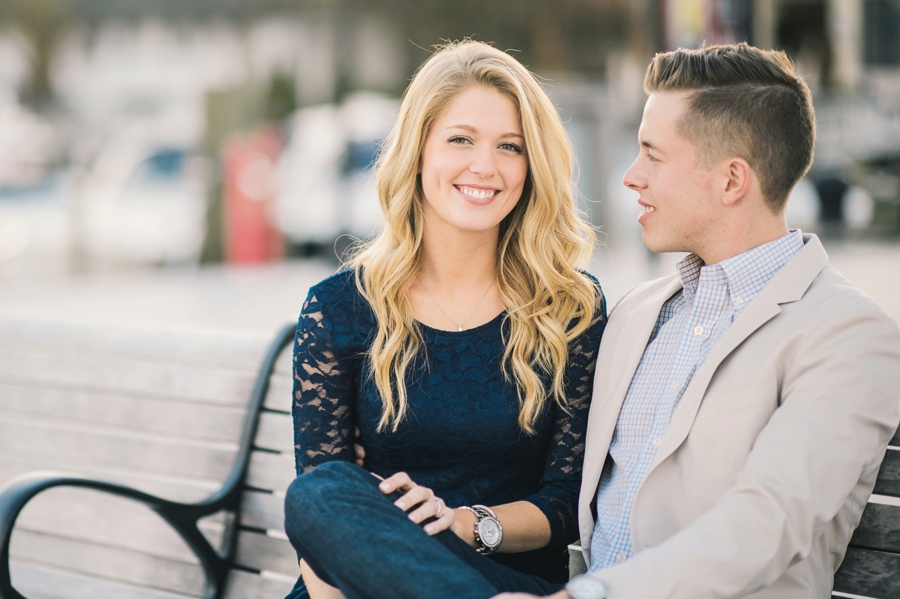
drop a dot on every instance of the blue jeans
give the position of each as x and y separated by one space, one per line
354 538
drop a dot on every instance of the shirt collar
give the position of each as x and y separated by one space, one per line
746 273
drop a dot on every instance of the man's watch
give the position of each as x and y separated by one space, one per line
582 587
488 530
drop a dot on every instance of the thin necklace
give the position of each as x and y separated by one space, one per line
459 327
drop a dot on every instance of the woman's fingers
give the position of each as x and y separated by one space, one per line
422 499
443 518
396 482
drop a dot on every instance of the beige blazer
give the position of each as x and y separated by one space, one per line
772 451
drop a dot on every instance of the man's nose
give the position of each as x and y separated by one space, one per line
633 179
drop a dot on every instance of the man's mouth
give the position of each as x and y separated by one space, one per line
648 209
477 193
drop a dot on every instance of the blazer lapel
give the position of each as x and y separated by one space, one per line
788 285
620 353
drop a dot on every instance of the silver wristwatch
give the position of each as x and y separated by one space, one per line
582 587
488 530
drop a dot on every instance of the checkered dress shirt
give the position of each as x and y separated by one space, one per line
689 325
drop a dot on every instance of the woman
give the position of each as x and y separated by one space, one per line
462 342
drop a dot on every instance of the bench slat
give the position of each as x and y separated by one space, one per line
111 563
888 482
263 510
895 441
279 397
245 585
879 528
285 363
111 372
153 454
270 471
186 490
186 420
224 348
36 582
262 552
869 573
276 432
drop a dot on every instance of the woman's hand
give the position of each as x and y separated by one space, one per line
423 499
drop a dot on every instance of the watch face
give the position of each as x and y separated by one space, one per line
489 531
585 588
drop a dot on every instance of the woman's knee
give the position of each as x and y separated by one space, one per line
312 493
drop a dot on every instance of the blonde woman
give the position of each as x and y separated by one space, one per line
461 343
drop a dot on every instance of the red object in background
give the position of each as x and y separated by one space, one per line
250 168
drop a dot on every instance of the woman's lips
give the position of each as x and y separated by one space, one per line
477 195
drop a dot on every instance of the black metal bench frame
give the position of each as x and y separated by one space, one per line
183 517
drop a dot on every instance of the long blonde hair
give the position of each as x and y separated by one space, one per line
542 241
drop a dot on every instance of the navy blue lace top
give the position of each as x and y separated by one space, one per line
460 436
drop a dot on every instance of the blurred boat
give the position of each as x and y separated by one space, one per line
326 185
144 200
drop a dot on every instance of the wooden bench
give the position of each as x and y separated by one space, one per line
871 567
194 421
192 438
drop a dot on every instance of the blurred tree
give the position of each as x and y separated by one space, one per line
281 97
43 23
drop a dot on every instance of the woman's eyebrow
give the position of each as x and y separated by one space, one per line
472 129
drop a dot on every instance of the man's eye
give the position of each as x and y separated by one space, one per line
511 147
652 158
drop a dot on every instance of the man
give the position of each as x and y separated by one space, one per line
742 406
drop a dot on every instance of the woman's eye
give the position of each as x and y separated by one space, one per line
511 147
458 139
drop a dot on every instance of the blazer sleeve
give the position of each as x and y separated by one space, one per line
820 449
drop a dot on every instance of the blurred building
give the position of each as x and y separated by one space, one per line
119 109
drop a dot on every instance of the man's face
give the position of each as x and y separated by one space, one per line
677 194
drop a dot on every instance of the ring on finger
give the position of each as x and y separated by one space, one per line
440 506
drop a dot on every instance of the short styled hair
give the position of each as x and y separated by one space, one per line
743 102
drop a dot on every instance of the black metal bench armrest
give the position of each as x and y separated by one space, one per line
183 517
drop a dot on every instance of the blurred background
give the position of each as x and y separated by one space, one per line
202 162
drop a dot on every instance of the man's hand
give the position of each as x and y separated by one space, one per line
560 595
358 449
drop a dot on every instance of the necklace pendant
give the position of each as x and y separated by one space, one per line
459 328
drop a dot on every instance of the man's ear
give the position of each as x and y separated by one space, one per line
738 179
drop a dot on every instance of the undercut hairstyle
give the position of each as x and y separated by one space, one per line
542 247
743 102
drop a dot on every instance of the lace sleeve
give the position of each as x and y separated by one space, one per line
560 482
324 389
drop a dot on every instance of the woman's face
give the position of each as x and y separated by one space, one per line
473 164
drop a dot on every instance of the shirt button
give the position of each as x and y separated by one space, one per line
738 301
620 557
698 330
676 385
657 442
